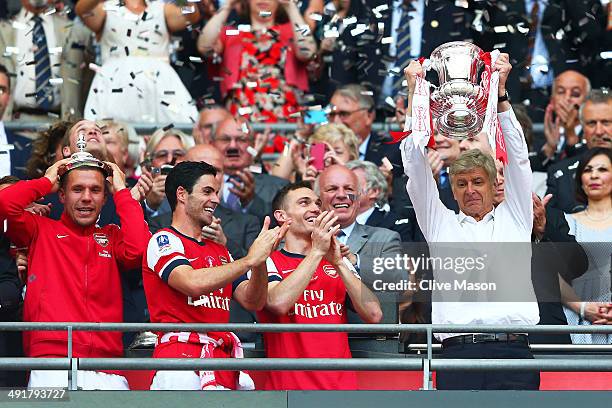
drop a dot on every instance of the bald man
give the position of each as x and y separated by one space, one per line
209 117
235 230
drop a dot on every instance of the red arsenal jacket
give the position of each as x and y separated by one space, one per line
73 272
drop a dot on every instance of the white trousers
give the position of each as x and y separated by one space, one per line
86 380
179 380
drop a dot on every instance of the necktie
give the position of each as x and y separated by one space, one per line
232 200
342 237
42 66
402 48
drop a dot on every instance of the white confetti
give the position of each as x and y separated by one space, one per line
500 29
55 50
254 168
245 110
19 25
389 100
195 59
606 55
232 32
360 29
12 50
251 84
245 28
95 68
333 33
462 3
387 40
380 8
252 151
56 81
350 20
315 16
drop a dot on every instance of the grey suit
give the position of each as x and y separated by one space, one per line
8 36
372 242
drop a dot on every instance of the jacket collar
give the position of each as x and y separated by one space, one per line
77 229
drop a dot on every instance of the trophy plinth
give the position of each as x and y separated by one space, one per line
458 104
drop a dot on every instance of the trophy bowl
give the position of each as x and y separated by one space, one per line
459 103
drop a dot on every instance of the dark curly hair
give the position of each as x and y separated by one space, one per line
598 151
44 147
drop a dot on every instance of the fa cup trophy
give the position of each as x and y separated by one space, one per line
83 159
459 102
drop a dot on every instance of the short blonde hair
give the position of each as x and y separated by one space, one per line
333 133
160 134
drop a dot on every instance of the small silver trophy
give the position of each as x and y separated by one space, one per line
83 158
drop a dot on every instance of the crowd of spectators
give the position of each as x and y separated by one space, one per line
334 69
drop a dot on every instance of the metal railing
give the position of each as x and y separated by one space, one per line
147 128
426 363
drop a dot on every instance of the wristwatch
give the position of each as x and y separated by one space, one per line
505 97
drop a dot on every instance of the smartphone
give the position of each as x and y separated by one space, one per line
317 154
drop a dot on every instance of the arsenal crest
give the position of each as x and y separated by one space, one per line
101 239
330 271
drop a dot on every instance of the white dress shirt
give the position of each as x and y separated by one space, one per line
5 156
25 83
363 217
510 221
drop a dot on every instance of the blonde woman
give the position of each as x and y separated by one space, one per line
342 147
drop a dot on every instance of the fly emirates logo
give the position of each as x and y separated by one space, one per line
305 309
211 301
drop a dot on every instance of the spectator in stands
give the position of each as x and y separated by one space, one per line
576 43
82 189
232 229
47 149
14 149
209 117
473 177
589 299
136 79
35 96
562 130
263 68
373 208
189 279
243 189
339 190
78 53
341 147
304 288
596 120
117 142
165 148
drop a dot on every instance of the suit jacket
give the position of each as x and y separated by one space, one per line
561 184
8 39
240 229
377 149
77 53
20 154
266 187
370 243
391 221
373 242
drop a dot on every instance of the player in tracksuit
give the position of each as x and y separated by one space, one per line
74 265
310 282
189 279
